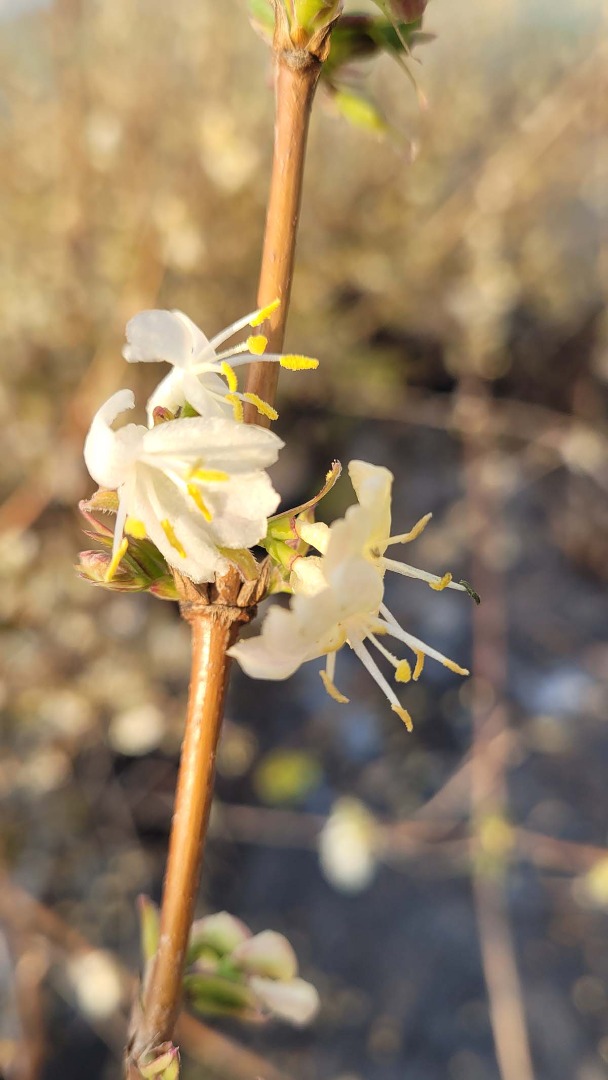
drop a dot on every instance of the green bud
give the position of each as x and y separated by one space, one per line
312 15
142 568
149 927
214 995
161 1063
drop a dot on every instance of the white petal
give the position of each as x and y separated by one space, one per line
315 533
180 386
373 484
307 577
275 653
109 454
296 1000
155 499
207 394
358 588
163 335
241 507
220 443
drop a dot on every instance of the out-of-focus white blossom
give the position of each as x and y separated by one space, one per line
203 375
193 486
347 846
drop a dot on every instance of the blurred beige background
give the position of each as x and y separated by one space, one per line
457 306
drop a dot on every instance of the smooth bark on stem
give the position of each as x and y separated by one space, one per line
296 80
213 631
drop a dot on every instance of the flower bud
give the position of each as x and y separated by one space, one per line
161 1063
312 15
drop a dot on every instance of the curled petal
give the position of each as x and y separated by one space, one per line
109 454
163 335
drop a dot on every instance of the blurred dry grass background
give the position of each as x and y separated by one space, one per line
457 306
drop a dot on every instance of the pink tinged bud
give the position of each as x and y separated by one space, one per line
93 565
160 415
268 954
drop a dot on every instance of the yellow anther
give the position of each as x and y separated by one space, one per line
419 665
332 689
419 527
237 407
195 494
169 532
208 476
438 586
230 376
403 672
262 406
261 315
404 715
456 668
120 552
298 363
256 344
135 528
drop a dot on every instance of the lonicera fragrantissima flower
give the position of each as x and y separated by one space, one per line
338 599
202 376
193 486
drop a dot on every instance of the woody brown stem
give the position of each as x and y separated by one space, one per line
214 629
296 79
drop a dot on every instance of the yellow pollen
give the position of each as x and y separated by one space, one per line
262 406
230 376
332 689
298 363
169 532
456 667
404 715
195 494
419 665
403 672
256 344
121 550
237 407
419 527
135 528
261 315
438 586
208 476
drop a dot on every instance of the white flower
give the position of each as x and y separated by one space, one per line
366 527
338 599
192 486
201 375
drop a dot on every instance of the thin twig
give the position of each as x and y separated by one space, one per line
488 788
213 631
296 80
